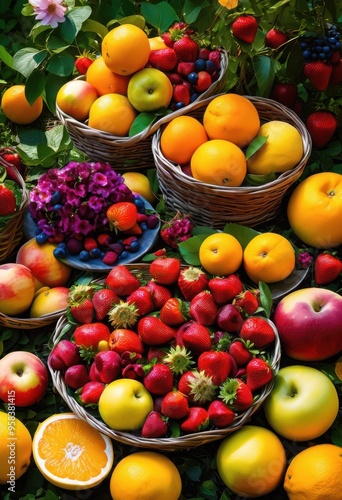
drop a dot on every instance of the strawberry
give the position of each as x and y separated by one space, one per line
181 93
153 331
203 81
247 302
64 354
82 312
275 38
219 414
165 270
122 340
194 336
174 312
318 73
163 59
236 394
160 293
216 364
167 38
245 28
102 301
224 289
82 63
174 405
108 365
321 126
184 69
196 421
122 215
203 308
191 281
285 93
155 425
240 352
197 386
90 393
121 280
327 268
142 299
258 331
8 202
90 335
258 373
76 376
186 49
336 73
159 379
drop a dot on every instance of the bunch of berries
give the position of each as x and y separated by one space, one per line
178 229
323 48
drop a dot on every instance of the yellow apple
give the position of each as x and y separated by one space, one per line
149 90
49 301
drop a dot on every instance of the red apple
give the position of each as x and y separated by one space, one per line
309 324
76 376
24 378
17 287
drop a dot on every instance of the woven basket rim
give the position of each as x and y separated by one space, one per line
30 323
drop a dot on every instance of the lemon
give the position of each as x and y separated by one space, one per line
282 150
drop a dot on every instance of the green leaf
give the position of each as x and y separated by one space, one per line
61 64
35 86
200 230
141 122
243 234
6 57
255 145
259 180
27 60
264 70
160 15
95 27
266 299
78 15
189 249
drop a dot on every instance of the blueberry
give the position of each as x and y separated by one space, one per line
57 206
60 252
62 244
84 256
41 238
123 255
95 253
55 198
193 78
194 96
306 54
134 246
210 67
179 105
139 203
143 226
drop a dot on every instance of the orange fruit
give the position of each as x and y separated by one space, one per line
150 473
219 162
112 113
125 49
123 339
122 215
104 80
269 257
220 254
70 453
231 117
181 137
314 210
315 473
16 107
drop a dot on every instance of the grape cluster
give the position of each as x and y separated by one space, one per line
321 48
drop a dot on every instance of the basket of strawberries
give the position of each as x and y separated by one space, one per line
164 355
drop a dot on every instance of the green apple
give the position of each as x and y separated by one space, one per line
303 403
149 90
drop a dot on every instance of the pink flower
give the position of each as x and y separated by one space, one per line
49 12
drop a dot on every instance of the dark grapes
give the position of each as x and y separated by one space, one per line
315 48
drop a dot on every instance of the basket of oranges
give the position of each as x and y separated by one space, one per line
165 413
231 158
112 112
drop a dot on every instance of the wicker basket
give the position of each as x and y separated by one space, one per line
168 444
30 323
216 205
128 153
11 235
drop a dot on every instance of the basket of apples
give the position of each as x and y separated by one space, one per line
112 111
164 355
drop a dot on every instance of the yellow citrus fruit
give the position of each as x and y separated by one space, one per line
147 475
269 257
49 301
232 117
15 448
282 150
315 473
104 80
219 162
112 113
338 368
70 453
251 461
220 254
314 210
181 137
157 43
125 49
139 183
16 107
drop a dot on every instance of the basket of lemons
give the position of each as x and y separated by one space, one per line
230 158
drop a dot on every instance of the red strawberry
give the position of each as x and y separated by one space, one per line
197 386
327 268
203 308
153 331
90 335
224 289
219 414
165 270
142 299
181 93
258 331
155 425
203 81
258 373
196 421
275 38
82 63
108 365
64 354
121 280
236 394
14 159
229 318
240 352
82 312
318 73
175 79
159 380
247 302
163 59
167 38
321 126
102 301
174 312
90 393
186 49
76 376
184 69
160 293
194 336
245 28
285 93
8 202
191 281
216 364
174 405
336 74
